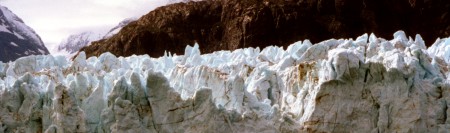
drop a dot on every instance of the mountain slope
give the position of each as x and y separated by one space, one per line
231 24
178 1
75 42
117 28
16 38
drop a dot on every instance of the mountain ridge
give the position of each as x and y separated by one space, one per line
75 42
231 24
16 38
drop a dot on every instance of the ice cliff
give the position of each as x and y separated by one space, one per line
368 84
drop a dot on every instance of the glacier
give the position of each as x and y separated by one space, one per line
367 84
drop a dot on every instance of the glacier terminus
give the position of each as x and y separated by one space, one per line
367 84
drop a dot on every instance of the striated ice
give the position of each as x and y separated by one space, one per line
362 40
3 67
439 49
400 36
340 85
419 43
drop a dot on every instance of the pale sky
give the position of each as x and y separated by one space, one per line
55 20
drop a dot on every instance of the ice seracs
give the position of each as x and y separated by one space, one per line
339 85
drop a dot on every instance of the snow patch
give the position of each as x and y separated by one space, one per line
4 29
14 44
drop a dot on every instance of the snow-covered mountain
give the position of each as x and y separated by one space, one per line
16 38
75 42
368 84
117 28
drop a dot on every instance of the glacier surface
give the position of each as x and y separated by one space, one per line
368 84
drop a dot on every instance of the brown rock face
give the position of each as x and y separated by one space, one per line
231 24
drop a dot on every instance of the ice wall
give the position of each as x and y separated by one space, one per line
364 85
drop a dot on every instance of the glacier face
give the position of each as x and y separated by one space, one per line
364 85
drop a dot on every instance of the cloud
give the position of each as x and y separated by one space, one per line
54 20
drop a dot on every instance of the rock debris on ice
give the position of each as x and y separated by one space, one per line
365 85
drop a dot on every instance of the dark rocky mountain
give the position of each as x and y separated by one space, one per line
231 24
16 38
178 1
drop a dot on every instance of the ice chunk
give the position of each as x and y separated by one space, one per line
373 38
191 51
107 62
343 61
362 40
301 48
314 52
3 68
418 43
400 36
286 62
80 61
